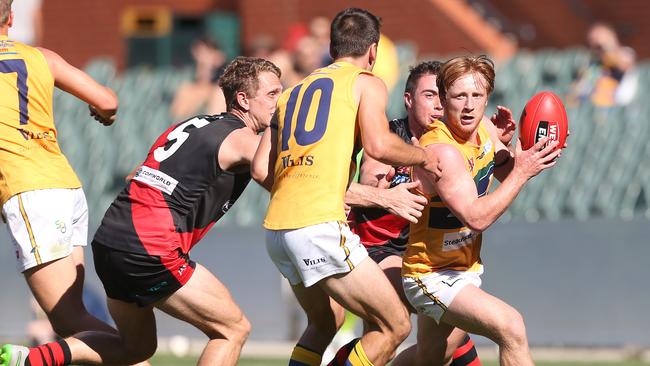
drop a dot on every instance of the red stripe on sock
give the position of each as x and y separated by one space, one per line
35 356
57 351
476 362
463 349
50 354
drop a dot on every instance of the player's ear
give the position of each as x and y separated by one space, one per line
408 99
10 19
372 55
242 100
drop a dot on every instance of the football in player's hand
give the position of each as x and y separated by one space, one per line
544 115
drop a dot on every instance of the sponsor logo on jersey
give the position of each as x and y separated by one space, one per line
457 240
156 179
27 134
311 262
288 161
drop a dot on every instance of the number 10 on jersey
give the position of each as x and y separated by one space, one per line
300 133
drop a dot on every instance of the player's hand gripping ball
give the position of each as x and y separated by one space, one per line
544 115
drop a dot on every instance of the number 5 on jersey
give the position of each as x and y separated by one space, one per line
177 137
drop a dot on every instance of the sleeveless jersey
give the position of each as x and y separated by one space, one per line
178 193
317 132
376 226
439 240
30 157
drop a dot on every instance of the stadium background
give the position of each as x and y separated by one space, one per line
571 252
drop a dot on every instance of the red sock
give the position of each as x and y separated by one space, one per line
466 355
50 354
343 353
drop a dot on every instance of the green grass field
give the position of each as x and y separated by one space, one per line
161 360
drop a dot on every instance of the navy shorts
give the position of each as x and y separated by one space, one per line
140 278
379 252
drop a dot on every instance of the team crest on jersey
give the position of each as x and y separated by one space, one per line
470 161
486 149
226 206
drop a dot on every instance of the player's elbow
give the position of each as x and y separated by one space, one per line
477 224
107 102
376 150
260 174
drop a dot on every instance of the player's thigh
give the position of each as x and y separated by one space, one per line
478 312
208 305
436 337
367 292
55 285
319 307
392 267
136 326
46 225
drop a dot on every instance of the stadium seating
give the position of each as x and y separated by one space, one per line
605 172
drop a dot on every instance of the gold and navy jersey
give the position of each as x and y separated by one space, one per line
317 132
440 241
30 157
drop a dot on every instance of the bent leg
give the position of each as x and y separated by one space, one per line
379 305
207 304
476 311
57 286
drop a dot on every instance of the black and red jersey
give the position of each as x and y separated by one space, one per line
178 193
377 226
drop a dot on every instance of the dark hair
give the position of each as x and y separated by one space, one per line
353 31
5 9
419 70
242 75
456 68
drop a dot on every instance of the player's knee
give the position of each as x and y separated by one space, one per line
339 317
136 352
511 329
64 326
402 326
235 331
241 330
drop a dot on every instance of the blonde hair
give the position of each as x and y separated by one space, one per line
241 75
455 68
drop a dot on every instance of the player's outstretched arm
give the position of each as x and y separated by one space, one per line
263 166
458 190
378 142
375 191
102 100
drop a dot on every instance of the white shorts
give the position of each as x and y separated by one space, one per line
46 224
312 253
432 294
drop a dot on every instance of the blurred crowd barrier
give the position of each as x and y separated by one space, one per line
604 173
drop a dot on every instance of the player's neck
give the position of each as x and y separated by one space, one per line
416 129
246 118
4 31
359 62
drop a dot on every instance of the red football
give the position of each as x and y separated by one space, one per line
544 115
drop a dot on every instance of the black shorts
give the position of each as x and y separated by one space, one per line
379 252
140 278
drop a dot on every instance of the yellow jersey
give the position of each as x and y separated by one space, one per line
317 135
440 241
30 157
